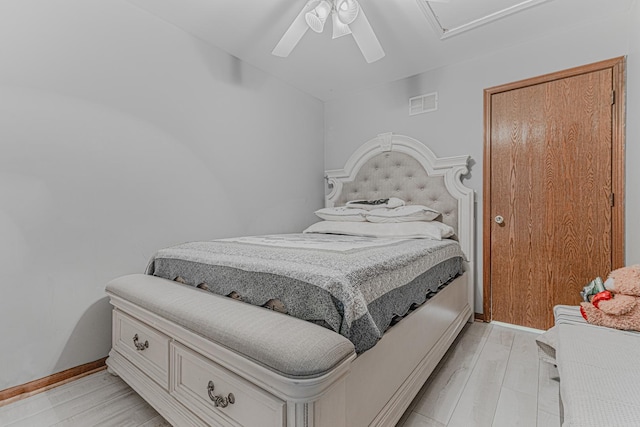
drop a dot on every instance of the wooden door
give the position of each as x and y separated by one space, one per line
551 201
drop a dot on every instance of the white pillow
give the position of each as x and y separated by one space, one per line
342 213
403 214
402 230
368 205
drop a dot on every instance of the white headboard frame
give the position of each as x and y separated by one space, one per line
450 169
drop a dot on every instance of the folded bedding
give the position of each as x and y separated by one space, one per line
356 286
599 382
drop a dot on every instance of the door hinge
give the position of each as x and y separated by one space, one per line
613 97
612 199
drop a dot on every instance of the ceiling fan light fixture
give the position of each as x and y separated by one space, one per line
347 10
339 28
318 16
348 18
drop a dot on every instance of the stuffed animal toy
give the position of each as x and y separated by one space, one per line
594 287
618 306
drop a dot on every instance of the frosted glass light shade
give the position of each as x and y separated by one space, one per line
347 10
318 16
339 29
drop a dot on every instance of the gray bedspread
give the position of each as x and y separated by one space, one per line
354 285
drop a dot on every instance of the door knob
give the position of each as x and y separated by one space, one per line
499 219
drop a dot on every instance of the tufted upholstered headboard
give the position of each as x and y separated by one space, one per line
398 166
393 174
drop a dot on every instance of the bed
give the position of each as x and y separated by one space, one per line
205 359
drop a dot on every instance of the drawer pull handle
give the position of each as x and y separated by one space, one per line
220 400
140 346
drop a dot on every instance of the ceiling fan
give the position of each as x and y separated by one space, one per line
348 18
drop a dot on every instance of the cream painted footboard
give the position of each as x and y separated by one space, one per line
200 359
383 381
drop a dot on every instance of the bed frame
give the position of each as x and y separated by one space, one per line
373 389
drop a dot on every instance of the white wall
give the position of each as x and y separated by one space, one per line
120 134
633 140
457 127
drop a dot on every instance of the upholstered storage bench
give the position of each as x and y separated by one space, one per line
169 332
598 368
205 360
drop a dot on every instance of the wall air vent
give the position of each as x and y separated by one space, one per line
423 103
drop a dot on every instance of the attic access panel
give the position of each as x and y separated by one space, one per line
451 17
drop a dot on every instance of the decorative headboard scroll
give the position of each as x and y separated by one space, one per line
399 166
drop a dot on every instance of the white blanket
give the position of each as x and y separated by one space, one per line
599 375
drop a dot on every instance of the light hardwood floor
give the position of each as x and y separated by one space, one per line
490 377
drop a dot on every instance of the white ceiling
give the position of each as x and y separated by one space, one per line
322 67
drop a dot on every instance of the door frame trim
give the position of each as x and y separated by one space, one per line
618 66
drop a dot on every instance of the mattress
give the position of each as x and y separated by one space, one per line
356 286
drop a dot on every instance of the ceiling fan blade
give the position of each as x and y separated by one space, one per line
295 32
366 39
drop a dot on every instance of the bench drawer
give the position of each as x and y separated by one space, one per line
198 383
143 345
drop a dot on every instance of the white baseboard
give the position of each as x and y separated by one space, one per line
521 328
